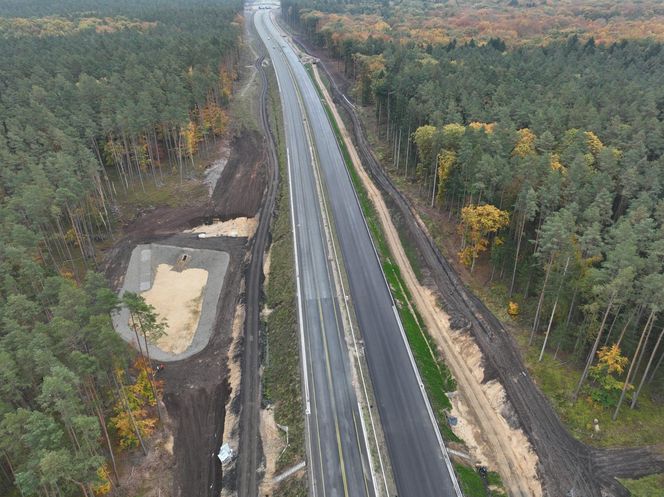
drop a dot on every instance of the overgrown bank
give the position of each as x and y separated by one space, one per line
281 377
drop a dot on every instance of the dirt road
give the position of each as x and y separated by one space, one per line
513 457
249 451
565 464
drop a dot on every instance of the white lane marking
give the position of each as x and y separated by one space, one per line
299 293
443 449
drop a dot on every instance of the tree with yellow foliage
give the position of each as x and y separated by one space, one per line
478 224
525 145
446 160
133 419
610 365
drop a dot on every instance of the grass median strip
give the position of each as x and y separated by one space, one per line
436 377
281 378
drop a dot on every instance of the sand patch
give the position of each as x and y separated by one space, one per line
168 444
177 297
241 227
468 432
273 445
234 357
234 376
213 173
267 259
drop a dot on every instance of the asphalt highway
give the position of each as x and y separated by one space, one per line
338 463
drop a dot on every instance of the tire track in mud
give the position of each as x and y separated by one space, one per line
249 453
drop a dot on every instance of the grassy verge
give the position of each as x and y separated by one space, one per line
281 379
435 375
650 486
474 485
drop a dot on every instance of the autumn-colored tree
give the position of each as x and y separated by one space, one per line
595 145
446 160
610 365
134 419
478 224
191 138
526 143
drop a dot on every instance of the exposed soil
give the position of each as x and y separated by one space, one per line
239 226
239 190
196 389
151 475
565 464
177 297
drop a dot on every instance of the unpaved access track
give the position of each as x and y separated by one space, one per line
566 466
249 450
197 389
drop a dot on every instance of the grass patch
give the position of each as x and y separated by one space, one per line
436 377
634 427
281 379
649 486
471 482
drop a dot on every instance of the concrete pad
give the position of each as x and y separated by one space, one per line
140 277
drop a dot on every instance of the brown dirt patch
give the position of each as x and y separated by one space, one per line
242 227
177 296
273 445
151 475
239 191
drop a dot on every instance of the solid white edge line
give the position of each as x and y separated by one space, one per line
299 293
446 456
443 448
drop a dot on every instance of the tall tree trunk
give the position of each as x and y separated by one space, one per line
654 371
553 311
94 399
645 373
646 330
541 300
591 355
522 226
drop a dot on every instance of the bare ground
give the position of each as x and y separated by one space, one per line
196 389
177 297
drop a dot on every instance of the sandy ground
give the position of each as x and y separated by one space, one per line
267 259
507 450
273 445
177 297
213 173
231 432
243 227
